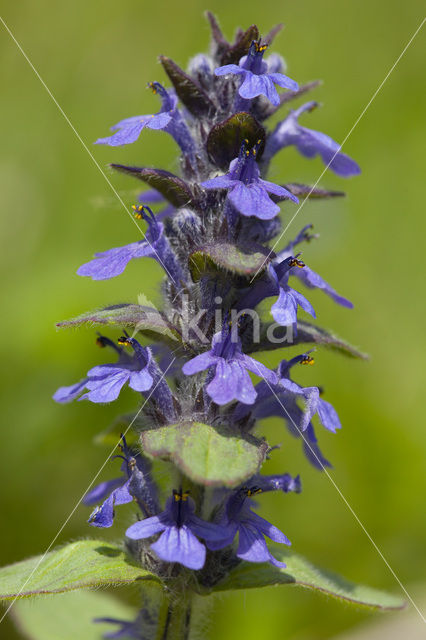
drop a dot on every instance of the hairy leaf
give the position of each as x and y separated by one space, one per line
300 572
144 319
189 91
241 46
305 191
221 44
69 616
243 261
273 336
212 456
224 140
78 565
173 188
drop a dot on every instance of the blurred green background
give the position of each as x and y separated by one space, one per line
57 210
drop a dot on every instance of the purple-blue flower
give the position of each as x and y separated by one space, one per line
283 400
142 628
133 484
284 482
256 80
180 529
309 143
247 192
310 278
111 263
104 382
239 518
129 130
275 283
231 380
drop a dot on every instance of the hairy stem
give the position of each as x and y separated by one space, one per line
178 619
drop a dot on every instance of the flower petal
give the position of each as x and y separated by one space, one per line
141 380
253 200
268 529
284 310
102 490
108 388
67 394
311 279
260 370
145 528
111 263
200 363
127 134
328 416
220 182
178 544
252 546
228 68
283 81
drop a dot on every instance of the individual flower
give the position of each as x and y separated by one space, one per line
256 79
310 278
129 130
180 529
231 380
275 283
134 483
247 192
111 263
168 118
309 143
239 518
284 310
274 399
104 382
283 399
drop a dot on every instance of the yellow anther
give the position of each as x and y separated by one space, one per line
294 262
179 496
138 209
253 491
307 360
124 341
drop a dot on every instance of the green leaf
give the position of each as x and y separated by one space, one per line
212 456
224 140
86 563
300 572
69 616
174 189
307 333
190 93
243 261
144 319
